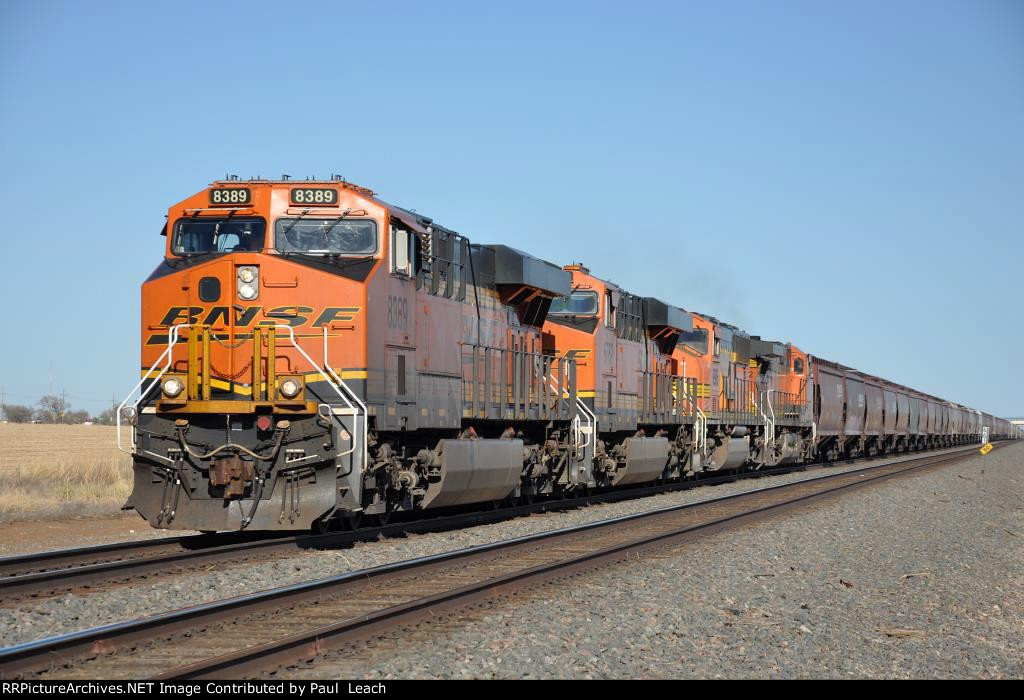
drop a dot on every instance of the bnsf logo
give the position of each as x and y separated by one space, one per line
294 316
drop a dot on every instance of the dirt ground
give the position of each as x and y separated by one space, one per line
42 535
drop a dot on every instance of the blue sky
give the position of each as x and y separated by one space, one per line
845 175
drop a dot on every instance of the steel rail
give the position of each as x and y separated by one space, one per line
46 574
31 574
43 574
95 643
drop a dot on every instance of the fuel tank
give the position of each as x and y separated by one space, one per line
475 471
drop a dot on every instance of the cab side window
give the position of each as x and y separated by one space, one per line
798 366
609 311
697 340
403 249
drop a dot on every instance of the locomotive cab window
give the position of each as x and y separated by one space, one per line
576 304
403 252
798 366
336 236
696 340
609 311
222 235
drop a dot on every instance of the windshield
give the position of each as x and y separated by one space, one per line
577 303
198 236
696 339
326 236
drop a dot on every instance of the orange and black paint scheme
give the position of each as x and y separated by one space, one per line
311 355
674 392
627 377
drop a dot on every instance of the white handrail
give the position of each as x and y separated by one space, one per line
702 430
701 424
769 423
172 338
771 409
591 416
336 386
166 358
365 415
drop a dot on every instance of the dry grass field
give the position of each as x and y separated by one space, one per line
60 470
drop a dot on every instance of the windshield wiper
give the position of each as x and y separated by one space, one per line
290 227
337 221
306 211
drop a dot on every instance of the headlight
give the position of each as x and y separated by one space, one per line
172 387
248 282
290 388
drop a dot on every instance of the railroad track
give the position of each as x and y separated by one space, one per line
102 567
98 568
255 633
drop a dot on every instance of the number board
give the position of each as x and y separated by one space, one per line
228 196
315 195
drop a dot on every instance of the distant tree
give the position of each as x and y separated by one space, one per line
52 409
18 414
107 417
76 417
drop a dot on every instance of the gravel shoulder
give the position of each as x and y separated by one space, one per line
73 612
917 577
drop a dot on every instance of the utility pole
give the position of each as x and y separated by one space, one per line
63 405
3 403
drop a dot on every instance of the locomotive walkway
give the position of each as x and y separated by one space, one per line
250 634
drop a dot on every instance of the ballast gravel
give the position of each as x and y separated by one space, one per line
917 577
60 615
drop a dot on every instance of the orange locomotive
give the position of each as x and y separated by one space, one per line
627 378
312 354
676 393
